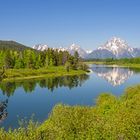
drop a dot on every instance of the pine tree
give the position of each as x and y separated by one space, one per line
8 60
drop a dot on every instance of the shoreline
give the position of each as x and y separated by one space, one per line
26 74
115 64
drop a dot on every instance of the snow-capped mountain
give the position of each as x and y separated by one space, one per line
71 49
88 51
114 75
61 49
40 47
115 48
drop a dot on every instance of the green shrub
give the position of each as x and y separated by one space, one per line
111 119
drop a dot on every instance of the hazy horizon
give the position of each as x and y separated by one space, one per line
60 23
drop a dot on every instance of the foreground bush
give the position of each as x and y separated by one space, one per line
111 119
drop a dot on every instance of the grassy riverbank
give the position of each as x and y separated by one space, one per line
128 65
112 118
23 74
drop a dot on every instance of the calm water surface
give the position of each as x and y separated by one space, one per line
20 100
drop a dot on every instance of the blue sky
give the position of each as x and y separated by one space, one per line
88 23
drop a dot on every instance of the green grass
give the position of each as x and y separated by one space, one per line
21 74
129 65
111 118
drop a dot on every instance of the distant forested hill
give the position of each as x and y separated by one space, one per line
12 45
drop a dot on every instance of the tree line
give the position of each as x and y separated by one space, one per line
135 60
33 59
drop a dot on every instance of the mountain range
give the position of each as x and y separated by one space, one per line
71 49
113 48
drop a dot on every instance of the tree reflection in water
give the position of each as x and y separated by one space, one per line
3 110
8 88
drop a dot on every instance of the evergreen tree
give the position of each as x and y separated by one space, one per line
8 60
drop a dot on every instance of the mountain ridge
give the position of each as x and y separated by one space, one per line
71 49
12 45
114 48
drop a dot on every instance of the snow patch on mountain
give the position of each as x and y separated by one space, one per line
71 49
88 51
40 47
114 48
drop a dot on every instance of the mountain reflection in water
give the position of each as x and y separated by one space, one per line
24 98
114 75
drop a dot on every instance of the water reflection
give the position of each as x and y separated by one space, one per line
40 102
114 75
3 110
8 88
